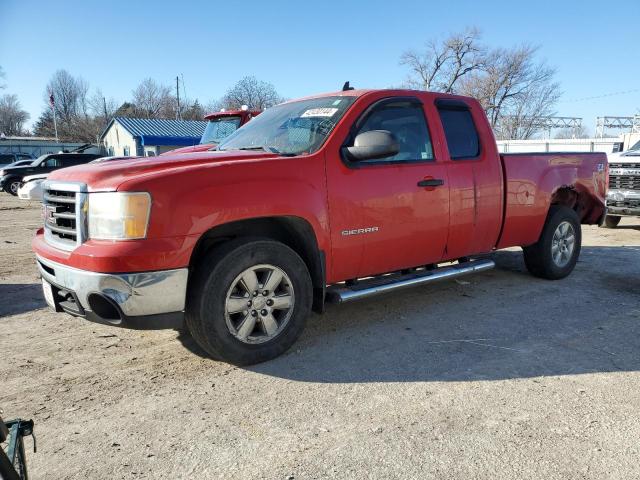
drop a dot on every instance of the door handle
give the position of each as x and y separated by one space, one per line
431 182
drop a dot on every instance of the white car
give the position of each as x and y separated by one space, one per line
623 198
31 188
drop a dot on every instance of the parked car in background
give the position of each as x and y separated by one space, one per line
335 198
219 126
31 188
11 177
15 159
623 198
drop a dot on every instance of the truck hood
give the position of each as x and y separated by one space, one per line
201 147
108 176
630 156
24 170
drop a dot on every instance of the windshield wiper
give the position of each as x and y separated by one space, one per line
260 147
264 149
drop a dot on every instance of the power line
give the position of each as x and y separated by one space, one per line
612 94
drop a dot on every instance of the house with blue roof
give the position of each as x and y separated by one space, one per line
149 136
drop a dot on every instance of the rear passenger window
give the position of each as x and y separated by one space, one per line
460 131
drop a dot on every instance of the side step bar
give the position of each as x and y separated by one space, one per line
367 288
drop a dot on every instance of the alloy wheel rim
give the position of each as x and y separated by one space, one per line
14 187
563 244
259 304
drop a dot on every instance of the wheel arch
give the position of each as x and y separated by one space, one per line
579 200
295 232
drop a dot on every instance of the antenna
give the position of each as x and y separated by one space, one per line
347 87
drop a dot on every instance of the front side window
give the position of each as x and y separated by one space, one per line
293 128
218 129
406 122
460 132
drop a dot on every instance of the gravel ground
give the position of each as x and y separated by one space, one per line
498 376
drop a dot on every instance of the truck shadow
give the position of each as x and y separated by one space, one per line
498 325
20 298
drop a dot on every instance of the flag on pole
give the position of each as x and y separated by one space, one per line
52 101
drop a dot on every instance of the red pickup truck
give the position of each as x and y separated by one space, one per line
330 198
219 126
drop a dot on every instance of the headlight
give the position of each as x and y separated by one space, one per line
118 215
2 173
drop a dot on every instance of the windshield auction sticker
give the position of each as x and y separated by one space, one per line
319 112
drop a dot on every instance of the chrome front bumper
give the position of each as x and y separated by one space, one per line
623 202
135 294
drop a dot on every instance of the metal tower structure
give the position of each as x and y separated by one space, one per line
631 124
549 123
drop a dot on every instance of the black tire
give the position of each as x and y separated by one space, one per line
610 221
538 257
12 186
206 299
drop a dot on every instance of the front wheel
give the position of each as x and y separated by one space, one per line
555 254
248 301
12 187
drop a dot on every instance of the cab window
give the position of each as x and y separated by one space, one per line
52 163
406 122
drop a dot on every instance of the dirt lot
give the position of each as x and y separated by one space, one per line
505 376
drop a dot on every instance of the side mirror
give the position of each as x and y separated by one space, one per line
374 144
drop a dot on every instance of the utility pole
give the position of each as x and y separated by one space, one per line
178 115
104 106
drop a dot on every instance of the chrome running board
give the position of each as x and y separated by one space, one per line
342 293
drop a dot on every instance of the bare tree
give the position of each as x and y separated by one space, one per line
2 75
12 116
69 94
442 64
255 94
153 100
514 90
100 107
577 132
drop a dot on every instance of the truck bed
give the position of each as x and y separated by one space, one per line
534 181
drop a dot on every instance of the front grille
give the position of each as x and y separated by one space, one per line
624 165
60 205
624 182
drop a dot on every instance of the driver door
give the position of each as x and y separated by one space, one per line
392 213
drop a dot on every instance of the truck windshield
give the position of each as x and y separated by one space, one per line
291 128
219 128
635 148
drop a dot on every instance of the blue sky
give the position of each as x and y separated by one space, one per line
309 47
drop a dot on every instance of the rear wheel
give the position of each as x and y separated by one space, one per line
555 254
249 301
611 221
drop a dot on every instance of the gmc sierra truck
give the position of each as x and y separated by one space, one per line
623 197
219 126
330 198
